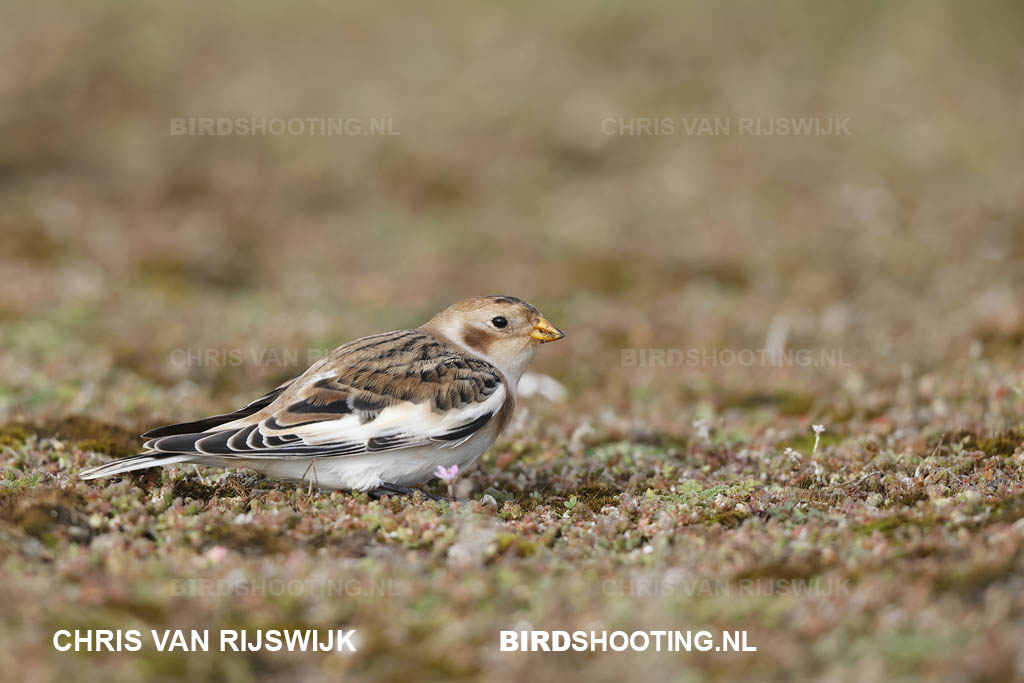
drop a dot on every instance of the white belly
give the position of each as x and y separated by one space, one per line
368 471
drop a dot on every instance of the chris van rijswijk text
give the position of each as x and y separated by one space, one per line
227 640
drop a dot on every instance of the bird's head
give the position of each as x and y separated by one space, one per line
502 330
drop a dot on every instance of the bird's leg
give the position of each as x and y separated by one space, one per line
311 466
386 489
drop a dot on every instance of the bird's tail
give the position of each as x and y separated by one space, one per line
135 462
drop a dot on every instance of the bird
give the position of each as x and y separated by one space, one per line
378 414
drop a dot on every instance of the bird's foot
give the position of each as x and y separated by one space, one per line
386 489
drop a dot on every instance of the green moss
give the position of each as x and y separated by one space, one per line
730 519
511 543
693 492
597 496
510 511
526 548
505 541
94 435
105 446
999 444
784 401
628 454
13 435
190 488
13 483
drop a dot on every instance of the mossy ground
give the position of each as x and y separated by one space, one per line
148 278
620 532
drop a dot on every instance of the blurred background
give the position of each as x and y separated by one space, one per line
595 159
519 166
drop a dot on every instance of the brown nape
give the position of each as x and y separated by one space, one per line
476 338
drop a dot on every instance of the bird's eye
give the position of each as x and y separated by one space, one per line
499 322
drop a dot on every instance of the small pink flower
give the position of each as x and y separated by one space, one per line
216 553
448 474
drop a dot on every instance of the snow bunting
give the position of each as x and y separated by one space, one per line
376 414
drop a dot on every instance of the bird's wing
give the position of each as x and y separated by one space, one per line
380 393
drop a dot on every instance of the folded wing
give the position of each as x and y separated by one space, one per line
387 392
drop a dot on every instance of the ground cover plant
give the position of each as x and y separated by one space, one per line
722 295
